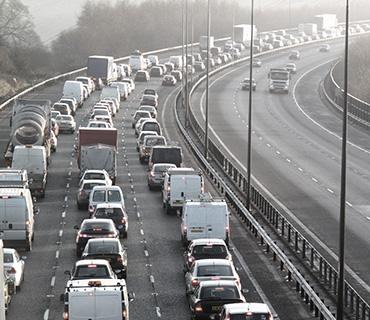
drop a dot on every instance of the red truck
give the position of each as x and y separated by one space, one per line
97 149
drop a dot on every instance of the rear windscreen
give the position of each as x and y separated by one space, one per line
167 155
209 251
214 270
257 316
151 127
91 271
103 248
219 292
108 213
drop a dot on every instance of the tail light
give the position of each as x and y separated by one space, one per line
119 259
82 235
194 282
152 174
65 316
12 271
124 314
82 193
124 220
111 235
190 259
198 308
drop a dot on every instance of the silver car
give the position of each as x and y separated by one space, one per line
66 123
156 175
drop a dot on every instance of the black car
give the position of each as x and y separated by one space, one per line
246 84
199 249
149 100
151 92
110 250
142 76
115 212
94 228
168 81
177 74
209 297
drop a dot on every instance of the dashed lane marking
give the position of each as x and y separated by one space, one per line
46 314
329 190
314 179
52 282
300 169
151 277
146 253
350 205
158 310
57 254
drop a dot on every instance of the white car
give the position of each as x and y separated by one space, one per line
114 103
96 175
53 141
142 135
107 119
66 123
138 115
138 126
123 88
98 124
14 266
130 82
151 109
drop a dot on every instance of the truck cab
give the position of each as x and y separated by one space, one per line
279 80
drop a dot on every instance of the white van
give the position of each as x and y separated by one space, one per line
205 219
110 92
181 184
16 217
96 299
137 61
34 160
74 89
177 61
10 178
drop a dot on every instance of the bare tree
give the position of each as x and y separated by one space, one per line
16 26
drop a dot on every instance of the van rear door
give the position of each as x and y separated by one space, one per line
216 220
13 211
95 304
196 221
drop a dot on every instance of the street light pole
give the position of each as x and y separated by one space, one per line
192 34
182 51
342 217
186 69
250 110
207 80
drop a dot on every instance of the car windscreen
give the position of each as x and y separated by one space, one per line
8 257
214 270
209 251
94 176
219 292
155 142
96 227
139 115
161 168
114 196
99 196
90 185
103 248
253 316
91 271
151 126
108 213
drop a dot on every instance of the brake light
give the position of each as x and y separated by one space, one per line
28 222
83 235
124 314
12 271
194 282
110 235
249 313
65 316
82 193
198 308
119 259
124 220
191 259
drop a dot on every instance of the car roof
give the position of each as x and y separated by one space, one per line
216 283
103 240
98 220
91 261
107 188
207 241
9 250
151 133
163 164
208 262
235 308
94 181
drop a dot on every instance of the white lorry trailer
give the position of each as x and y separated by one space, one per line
101 67
205 218
309 29
326 21
96 299
203 41
242 34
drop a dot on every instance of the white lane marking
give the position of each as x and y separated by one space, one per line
269 145
314 179
60 233
138 215
252 278
368 218
158 310
46 314
142 232
277 201
52 282
63 214
65 198
57 254
151 277
314 121
146 253
288 160
277 152
300 169
164 111
329 190
349 204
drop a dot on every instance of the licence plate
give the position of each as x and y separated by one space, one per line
216 308
197 230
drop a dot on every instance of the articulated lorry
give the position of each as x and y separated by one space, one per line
203 41
279 80
309 29
97 149
326 21
30 125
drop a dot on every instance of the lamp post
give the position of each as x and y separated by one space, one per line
182 52
249 151
207 80
186 69
342 216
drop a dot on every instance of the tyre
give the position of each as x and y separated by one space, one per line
79 206
150 187
167 209
29 246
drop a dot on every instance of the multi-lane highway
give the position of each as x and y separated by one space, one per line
296 149
153 244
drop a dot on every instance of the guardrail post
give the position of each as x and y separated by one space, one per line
325 272
296 241
330 276
320 267
312 257
304 248
289 233
357 307
283 226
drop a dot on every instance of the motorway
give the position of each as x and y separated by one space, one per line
296 149
153 244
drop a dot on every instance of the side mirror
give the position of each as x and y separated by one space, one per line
214 316
76 227
23 258
36 210
245 291
67 272
131 296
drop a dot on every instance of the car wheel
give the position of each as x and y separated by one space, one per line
79 206
150 187
29 245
